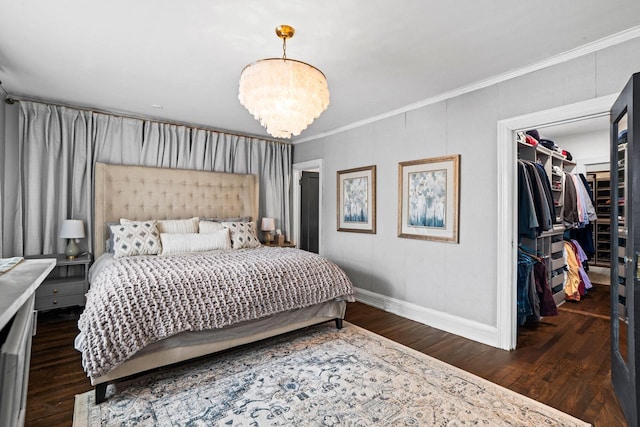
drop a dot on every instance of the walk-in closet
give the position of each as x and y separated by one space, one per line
564 220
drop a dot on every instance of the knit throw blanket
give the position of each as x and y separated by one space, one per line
142 299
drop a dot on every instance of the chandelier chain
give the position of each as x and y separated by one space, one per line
284 48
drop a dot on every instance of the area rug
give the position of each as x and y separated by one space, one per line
319 376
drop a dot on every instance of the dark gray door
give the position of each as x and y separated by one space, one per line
625 231
309 211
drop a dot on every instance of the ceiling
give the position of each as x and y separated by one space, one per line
589 125
180 61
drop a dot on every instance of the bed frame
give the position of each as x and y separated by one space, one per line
139 193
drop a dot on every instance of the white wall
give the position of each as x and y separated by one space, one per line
587 148
441 281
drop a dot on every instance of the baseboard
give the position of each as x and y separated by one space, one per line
466 328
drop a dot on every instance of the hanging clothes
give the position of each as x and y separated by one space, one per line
536 211
582 258
534 298
527 219
578 209
584 236
547 304
546 184
525 268
539 196
569 211
574 286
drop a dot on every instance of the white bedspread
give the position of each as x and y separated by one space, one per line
135 301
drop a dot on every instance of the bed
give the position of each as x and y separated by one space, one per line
141 193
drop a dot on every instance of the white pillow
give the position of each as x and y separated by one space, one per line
173 225
210 226
243 234
176 243
136 238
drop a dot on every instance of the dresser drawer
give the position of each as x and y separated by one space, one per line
557 246
61 287
557 263
59 293
50 302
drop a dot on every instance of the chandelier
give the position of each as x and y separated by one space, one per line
285 95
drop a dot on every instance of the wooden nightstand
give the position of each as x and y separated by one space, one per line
284 245
58 292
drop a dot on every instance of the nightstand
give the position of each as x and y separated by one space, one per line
59 292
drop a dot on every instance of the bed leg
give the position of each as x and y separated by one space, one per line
338 323
101 393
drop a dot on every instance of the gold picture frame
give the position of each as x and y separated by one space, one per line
428 199
356 205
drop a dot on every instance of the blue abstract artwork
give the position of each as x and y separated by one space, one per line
428 199
355 205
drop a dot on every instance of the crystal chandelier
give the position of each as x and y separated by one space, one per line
285 95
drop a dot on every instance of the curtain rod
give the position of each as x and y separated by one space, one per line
13 99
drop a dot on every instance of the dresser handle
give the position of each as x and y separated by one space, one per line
55 291
55 302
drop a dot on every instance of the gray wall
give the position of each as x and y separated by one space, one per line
9 128
456 279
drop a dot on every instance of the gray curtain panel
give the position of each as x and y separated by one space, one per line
58 146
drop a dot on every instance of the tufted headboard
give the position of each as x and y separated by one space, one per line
140 193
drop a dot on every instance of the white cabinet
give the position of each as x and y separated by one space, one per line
17 323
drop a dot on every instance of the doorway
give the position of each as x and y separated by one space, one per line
315 167
309 210
507 248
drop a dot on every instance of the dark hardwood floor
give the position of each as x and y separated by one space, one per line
563 362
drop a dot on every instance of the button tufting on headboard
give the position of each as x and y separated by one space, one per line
139 192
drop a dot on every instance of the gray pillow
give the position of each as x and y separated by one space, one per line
108 244
237 219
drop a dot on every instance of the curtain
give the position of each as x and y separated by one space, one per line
58 147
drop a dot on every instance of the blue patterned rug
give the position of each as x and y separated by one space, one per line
319 376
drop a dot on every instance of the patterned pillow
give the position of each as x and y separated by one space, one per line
136 238
243 234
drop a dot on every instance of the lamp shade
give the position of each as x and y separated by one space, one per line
72 229
284 95
268 224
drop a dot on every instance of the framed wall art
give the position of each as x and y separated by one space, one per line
428 197
357 200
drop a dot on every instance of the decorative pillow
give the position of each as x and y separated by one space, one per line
243 234
173 225
210 227
136 238
175 243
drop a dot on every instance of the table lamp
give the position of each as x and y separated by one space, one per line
268 225
72 229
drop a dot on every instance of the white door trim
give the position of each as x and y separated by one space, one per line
507 251
298 168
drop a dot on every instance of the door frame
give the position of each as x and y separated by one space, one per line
298 168
507 181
